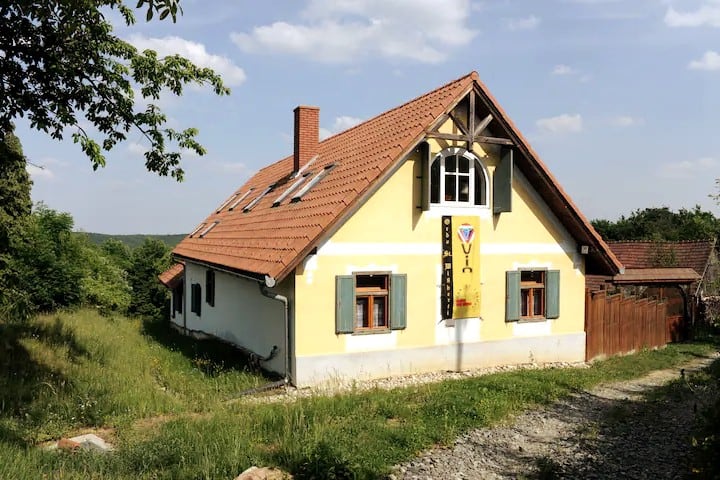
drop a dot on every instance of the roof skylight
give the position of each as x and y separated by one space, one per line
226 202
312 183
197 229
255 201
290 189
240 199
304 167
209 227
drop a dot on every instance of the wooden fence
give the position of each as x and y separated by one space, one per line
616 324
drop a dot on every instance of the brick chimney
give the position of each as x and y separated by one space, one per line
307 135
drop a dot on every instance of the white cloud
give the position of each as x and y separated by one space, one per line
136 148
39 172
195 52
690 168
344 122
565 123
627 121
344 31
341 123
526 23
562 69
708 14
709 61
40 168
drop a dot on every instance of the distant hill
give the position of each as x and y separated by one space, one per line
133 241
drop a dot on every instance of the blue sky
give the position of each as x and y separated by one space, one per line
621 98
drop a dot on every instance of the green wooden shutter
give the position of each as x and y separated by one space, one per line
425 175
512 296
398 302
502 182
552 294
344 303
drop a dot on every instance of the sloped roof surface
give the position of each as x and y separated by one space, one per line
271 241
658 275
172 275
651 254
268 240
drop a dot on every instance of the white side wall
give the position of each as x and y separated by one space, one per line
241 315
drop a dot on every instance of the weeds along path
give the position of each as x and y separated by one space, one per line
631 429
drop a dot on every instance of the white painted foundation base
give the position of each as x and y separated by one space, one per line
319 369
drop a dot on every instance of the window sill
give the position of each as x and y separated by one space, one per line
532 320
372 331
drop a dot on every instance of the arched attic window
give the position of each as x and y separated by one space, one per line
458 178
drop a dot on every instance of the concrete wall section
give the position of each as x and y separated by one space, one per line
319 369
241 315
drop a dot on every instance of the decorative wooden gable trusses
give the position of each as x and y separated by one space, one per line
475 121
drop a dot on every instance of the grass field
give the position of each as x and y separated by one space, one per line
160 398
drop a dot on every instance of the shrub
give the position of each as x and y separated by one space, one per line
149 296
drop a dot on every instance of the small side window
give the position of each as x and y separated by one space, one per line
177 299
196 299
210 287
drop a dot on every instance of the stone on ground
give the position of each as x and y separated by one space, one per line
88 441
263 473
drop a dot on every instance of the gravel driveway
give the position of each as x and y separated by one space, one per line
613 431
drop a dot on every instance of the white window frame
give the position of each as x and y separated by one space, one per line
474 163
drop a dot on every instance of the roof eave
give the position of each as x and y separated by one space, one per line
254 276
606 256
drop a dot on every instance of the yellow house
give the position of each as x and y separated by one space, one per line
428 238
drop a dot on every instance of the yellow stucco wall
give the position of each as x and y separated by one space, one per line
390 233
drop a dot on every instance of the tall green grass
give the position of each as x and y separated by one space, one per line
358 434
73 370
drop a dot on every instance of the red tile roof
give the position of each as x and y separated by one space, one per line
652 254
657 275
172 275
272 241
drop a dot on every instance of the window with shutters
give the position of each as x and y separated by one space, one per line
210 287
196 298
532 295
370 302
457 178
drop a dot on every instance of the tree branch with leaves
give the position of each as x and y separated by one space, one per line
62 68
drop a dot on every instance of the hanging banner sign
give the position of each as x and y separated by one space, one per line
446 287
466 267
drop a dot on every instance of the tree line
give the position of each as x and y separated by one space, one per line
661 224
44 265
